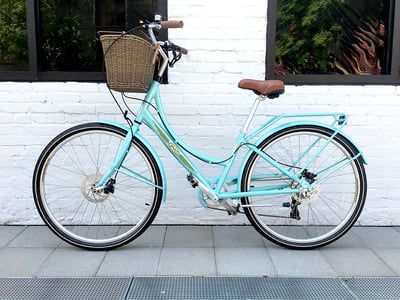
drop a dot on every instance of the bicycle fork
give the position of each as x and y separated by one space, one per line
106 183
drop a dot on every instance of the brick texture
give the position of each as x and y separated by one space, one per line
226 43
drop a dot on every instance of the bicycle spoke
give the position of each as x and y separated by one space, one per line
68 171
333 201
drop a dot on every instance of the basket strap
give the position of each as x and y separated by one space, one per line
156 49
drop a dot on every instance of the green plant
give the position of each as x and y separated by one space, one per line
306 35
13 33
64 46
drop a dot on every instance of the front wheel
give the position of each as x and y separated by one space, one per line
68 169
314 217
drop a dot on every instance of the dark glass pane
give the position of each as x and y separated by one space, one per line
13 36
68 35
69 30
333 37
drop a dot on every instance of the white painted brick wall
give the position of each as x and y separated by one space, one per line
227 43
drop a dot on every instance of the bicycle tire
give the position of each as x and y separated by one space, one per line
71 164
326 213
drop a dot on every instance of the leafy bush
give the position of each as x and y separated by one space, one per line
13 33
306 35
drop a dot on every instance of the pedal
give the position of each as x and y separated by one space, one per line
193 181
286 204
236 205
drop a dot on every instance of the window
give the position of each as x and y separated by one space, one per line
333 41
57 39
13 36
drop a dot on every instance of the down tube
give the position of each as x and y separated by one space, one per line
171 145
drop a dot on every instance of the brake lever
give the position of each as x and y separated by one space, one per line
177 56
176 53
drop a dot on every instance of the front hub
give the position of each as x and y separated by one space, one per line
88 189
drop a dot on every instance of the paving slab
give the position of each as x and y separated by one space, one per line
9 233
357 262
35 237
308 263
189 237
379 237
237 236
22 262
391 257
130 261
71 262
187 262
349 240
244 261
154 236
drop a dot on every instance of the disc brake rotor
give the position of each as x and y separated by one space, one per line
308 196
88 191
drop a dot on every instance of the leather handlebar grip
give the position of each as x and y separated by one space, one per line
172 24
184 51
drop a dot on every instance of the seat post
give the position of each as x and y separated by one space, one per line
252 113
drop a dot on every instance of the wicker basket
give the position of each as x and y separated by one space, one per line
129 62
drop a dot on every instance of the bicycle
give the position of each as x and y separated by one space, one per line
302 182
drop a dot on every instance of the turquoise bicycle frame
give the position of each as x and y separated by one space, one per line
213 187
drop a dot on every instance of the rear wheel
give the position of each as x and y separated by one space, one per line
314 217
71 165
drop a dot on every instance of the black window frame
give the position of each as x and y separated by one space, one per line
35 74
335 79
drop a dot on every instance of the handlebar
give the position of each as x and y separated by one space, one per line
164 24
166 47
172 24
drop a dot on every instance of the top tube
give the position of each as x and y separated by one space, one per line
153 94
